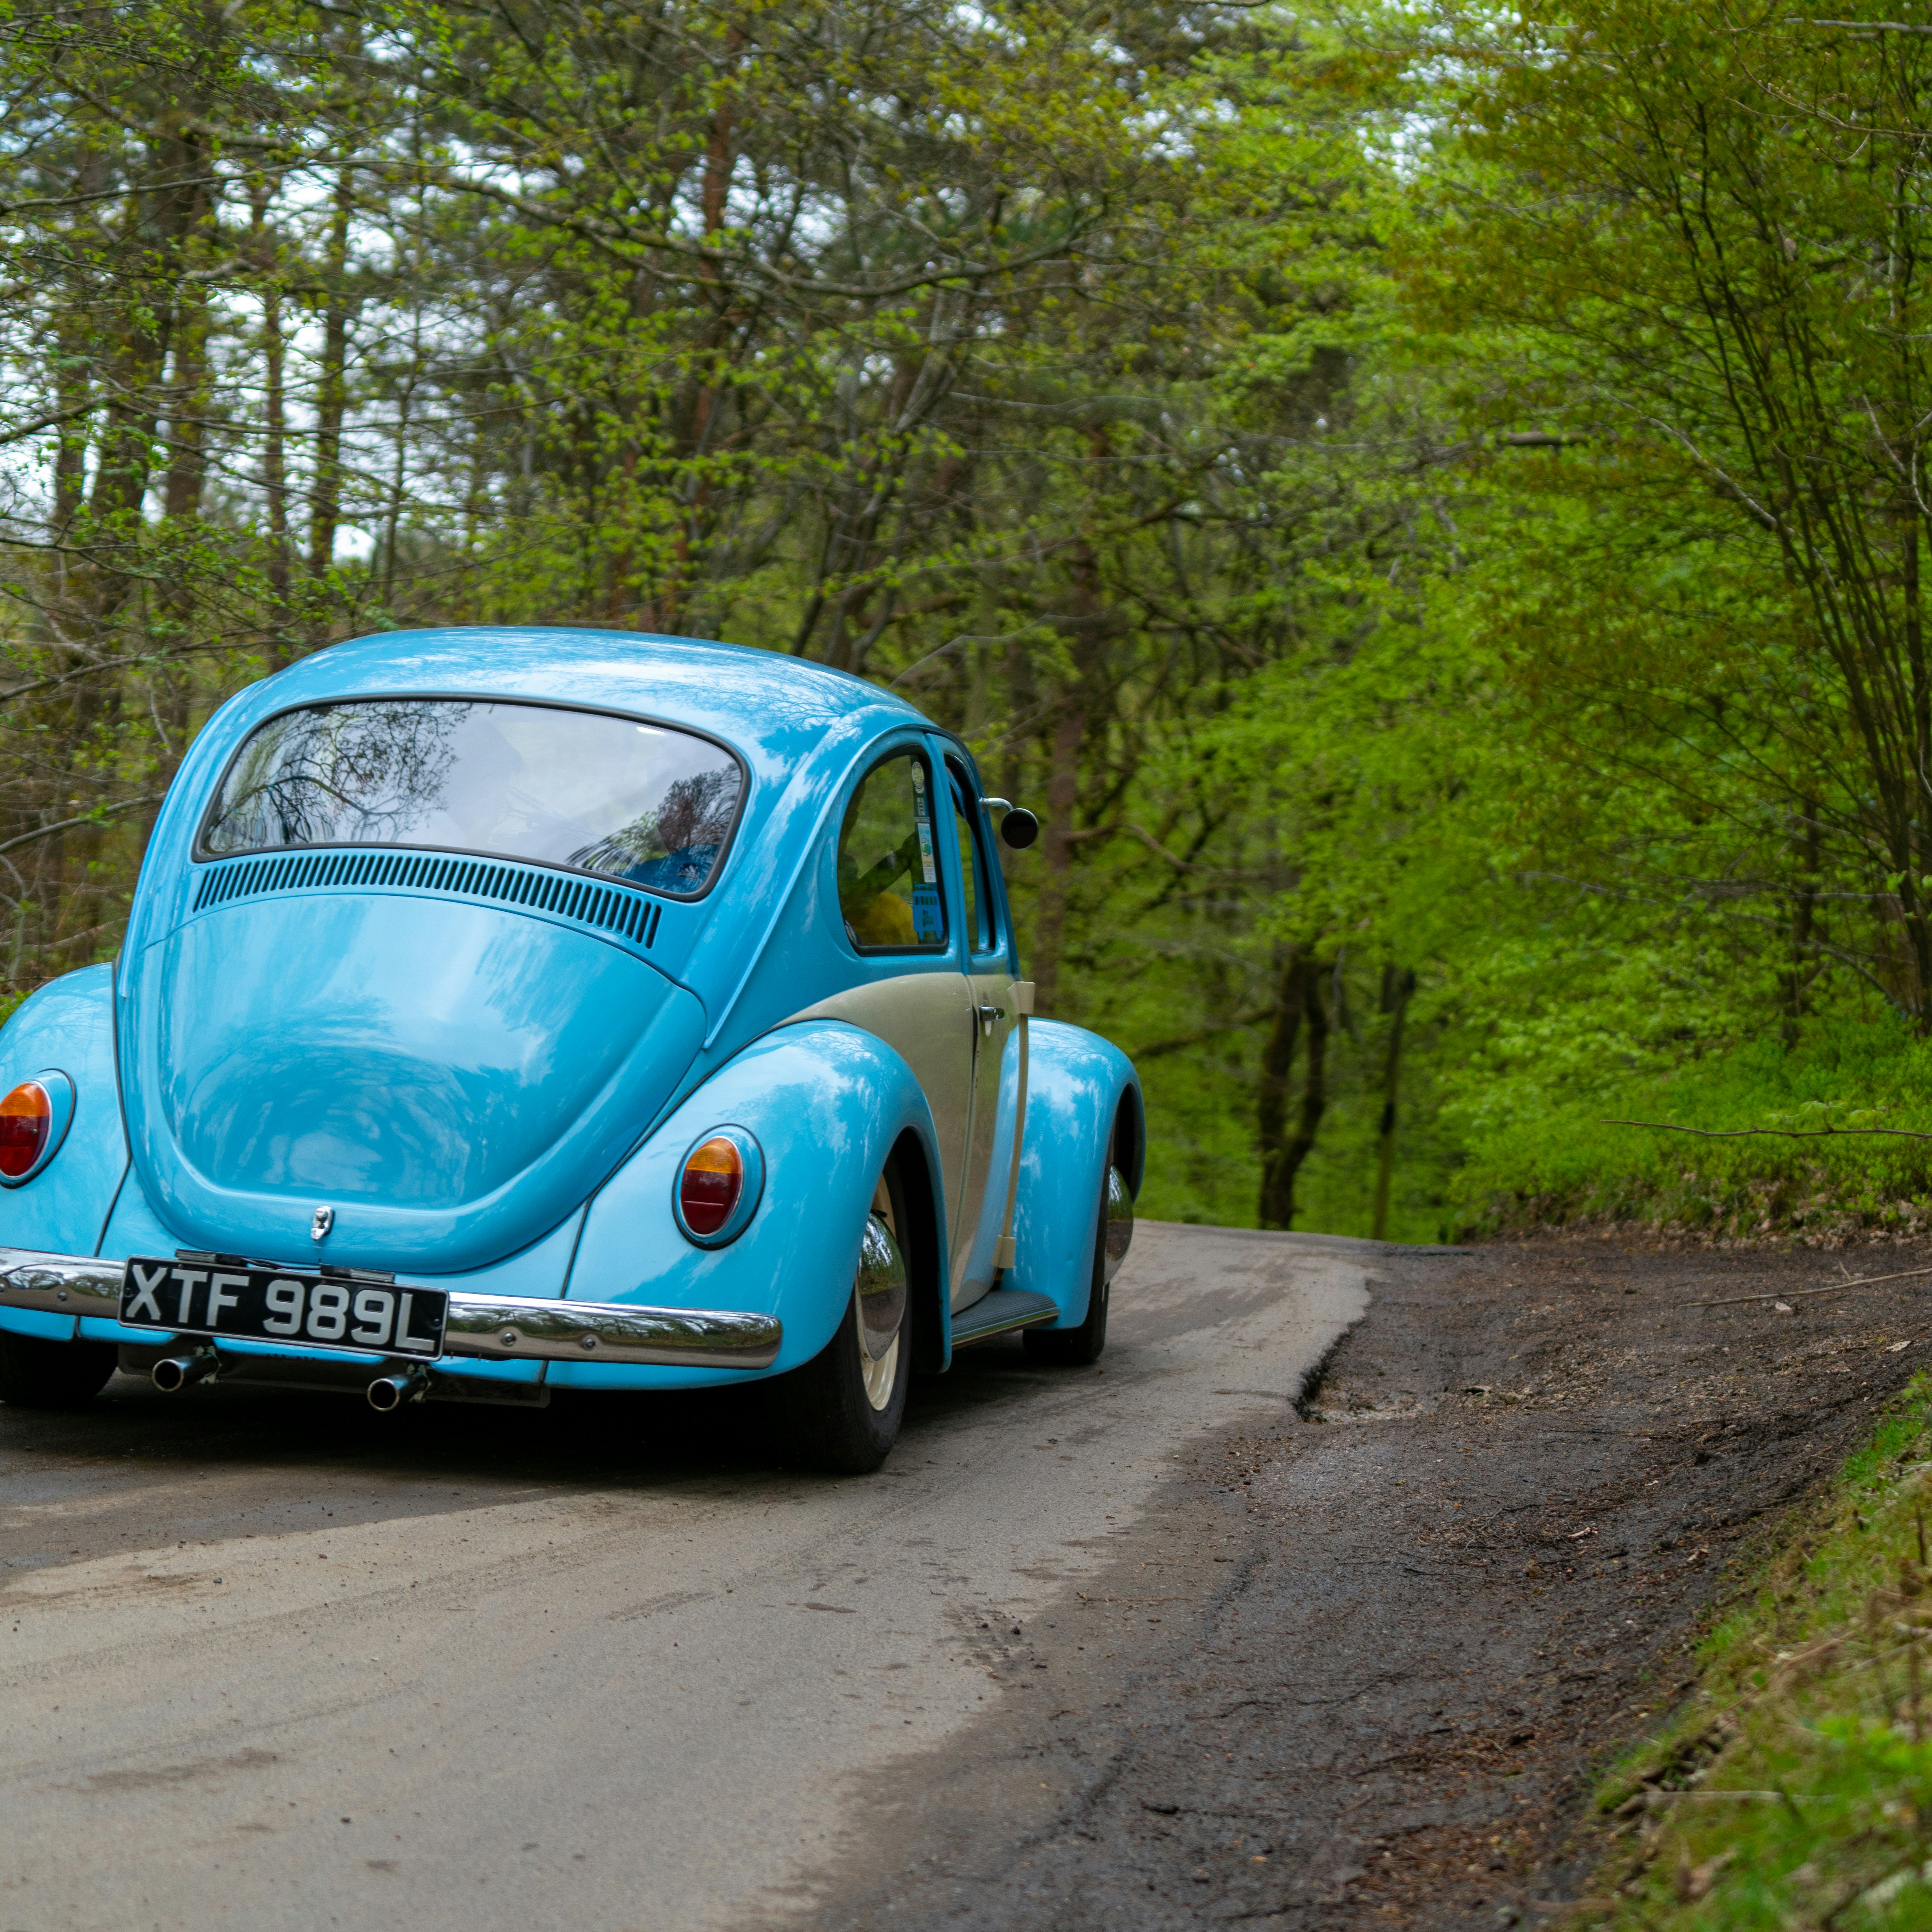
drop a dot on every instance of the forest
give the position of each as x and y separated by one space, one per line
1425 501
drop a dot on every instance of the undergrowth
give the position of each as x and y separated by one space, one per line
1558 1165
1795 1791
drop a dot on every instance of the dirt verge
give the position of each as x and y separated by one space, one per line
1359 1669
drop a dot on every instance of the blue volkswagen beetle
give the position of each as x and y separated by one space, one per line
506 1010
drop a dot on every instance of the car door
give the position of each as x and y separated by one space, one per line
893 906
983 946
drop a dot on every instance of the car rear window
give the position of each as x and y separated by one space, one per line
645 802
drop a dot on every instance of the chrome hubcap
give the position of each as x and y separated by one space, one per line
1120 1229
880 1291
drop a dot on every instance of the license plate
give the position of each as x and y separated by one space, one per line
253 1303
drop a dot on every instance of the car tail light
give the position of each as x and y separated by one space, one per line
713 1179
26 1119
719 1186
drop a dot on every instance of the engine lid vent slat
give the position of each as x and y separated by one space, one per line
619 912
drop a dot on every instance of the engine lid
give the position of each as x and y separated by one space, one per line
451 1080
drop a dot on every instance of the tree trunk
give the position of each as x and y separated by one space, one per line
70 457
1282 1155
182 488
1056 848
1087 626
1797 977
1277 1060
1022 698
331 391
274 425
188 404
1392 1075
1918 787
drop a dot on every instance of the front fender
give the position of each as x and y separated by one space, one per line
1078 1084
827 1103
68 1025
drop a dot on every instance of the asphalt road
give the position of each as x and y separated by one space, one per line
270 1661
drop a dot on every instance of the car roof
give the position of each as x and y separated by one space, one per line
760 701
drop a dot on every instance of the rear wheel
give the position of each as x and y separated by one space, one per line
35 1374
841 1411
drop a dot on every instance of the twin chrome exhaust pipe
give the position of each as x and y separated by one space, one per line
386 1394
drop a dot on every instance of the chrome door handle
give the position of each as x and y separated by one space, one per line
988 1016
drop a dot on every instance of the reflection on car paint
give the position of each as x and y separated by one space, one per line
643 803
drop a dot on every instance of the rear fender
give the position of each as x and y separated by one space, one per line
827 1104
67 1025
1078 1086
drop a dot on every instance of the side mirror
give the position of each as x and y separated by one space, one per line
1019 828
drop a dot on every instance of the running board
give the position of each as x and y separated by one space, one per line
1001 1312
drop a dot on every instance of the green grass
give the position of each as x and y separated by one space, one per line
1549 1162
1795 1789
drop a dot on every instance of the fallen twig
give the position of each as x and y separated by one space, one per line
1778 1133
1833 1288
1655 1798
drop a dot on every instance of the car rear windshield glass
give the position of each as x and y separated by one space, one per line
639 802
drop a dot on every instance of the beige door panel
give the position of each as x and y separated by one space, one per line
928 1019
977 1227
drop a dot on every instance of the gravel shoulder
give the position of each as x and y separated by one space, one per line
1357 1665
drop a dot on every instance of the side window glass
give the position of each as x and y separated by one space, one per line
888 883
972 871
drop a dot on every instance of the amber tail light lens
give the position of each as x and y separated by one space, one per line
26 1115
713 1178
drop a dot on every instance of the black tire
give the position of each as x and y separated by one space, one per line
53 1374
821 1416
1076 1348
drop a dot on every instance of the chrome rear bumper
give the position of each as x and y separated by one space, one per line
502 1328
496 1327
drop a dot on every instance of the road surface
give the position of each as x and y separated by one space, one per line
269 1661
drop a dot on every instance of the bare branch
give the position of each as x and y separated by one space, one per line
1745 1133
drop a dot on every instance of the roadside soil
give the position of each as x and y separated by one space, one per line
1362 1664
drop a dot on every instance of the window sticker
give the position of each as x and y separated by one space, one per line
928 926
922 813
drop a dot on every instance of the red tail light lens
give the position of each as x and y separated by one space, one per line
713 1178
26 1114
